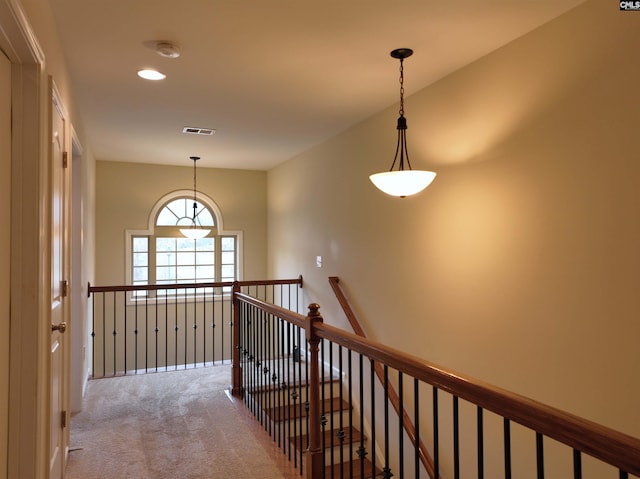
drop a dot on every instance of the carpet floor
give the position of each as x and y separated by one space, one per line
180 424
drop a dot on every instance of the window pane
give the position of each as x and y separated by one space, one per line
165 244
140 259
207 258
164 273
140 275
228 244
205 272
140 244
228 257
165 259
166 218
205 244
228 272
186 272
203 216
186 258
185 244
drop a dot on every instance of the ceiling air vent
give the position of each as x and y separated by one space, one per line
198 131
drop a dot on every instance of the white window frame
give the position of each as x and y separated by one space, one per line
150 231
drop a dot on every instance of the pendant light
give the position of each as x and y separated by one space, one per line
194 231
402 182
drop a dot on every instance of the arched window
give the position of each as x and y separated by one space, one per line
163 255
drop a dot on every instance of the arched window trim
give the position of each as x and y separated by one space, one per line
155 210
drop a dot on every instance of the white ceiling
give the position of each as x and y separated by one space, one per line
272 77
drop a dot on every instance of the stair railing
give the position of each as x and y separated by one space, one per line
425 457
137 329
611 449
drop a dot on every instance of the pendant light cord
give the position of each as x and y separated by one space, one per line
195 203
401 88
401 146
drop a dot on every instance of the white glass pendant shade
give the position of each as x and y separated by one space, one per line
403 182
194 233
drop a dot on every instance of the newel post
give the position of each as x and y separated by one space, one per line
314 459
236 369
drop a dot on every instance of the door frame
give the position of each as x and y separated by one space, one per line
30 276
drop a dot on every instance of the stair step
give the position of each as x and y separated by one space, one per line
275 387
352 436
293 411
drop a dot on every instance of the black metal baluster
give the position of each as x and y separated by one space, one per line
265 371
277 383
292 387
300 404
104 337
362 452
186 329
157 330
260 365
274 376
195 327
294 395
539 455
166 332
436 434
213 325
115 319
135 332
456 439
400 424
577 464
480 444
204 327
340 418
331 415
350 412
416 423
507 448
323 412
373 414
146 332
255 327
124 328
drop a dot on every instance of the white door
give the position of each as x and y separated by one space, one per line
59 298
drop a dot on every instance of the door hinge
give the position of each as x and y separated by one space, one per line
63 419
65 159
64 288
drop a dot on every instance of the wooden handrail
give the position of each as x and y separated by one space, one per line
613 447
218 284
294 318
425 458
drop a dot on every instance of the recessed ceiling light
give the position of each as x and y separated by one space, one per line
149 74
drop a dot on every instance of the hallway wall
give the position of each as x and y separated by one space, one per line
127 192
520 264
30 39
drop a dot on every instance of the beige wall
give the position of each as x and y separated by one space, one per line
126 193
520 264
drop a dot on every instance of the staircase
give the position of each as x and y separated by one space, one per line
283 411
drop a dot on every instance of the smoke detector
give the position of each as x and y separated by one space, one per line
167 49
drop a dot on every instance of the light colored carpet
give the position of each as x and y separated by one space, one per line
178 424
